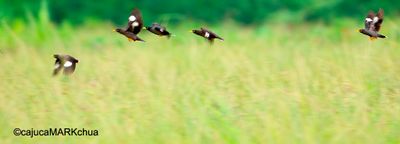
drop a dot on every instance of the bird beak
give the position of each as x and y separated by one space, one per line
191 31
114 30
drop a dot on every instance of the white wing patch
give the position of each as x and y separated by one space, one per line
376 19
132 18
135 24
368 19
68 64
207 34
56 65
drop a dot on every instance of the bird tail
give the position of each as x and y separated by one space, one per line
381 36
171 35
139 39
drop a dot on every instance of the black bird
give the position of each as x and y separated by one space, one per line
135 25
66 62
373 24
131 36
207 34
159 30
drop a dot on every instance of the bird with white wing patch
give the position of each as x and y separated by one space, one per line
159 30
134 26
64 62
210 36
373 24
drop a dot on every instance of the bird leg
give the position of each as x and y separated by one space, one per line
372 38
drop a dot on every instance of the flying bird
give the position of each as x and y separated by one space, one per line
135 25
131 36
66 62
373 24
159 30
210 36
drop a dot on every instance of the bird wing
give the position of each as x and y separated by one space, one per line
204 29
211 34
69 67
379 21
57 66
207 33
369 20
160 28
135 23
70 64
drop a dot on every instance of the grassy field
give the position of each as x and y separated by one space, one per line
273 84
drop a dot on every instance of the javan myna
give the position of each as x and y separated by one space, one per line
373 24
135 25
66 62
207 34
159 30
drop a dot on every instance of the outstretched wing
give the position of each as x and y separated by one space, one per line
69 67
57 66
369 20
135 23
160 28
206 33
379 20
204 29
210 35
373 22
69 64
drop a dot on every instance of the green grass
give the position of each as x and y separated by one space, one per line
273 84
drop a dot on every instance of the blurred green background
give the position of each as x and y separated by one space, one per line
210 11
289 71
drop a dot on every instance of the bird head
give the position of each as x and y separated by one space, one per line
117 30
75 60
196 32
